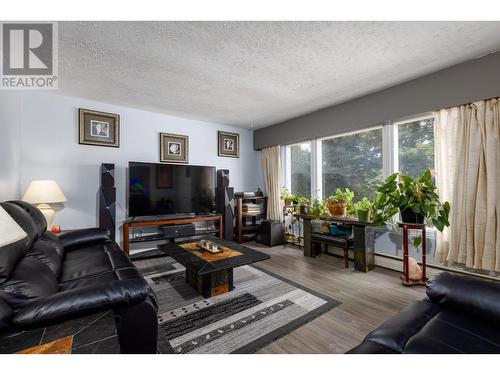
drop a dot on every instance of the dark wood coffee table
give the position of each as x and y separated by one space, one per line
211 274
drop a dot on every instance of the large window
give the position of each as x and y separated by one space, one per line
416 146
352 161
360 161
300 168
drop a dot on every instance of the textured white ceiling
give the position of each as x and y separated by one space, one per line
254 74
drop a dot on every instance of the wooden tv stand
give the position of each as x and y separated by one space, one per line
127 224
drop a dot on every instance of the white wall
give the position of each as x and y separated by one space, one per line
10 152
50 150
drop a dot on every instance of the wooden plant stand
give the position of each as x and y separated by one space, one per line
405 277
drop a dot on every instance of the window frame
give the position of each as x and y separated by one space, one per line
407 120
390 152
288 164
319 158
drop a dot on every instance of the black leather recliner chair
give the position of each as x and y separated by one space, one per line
47 279
460 315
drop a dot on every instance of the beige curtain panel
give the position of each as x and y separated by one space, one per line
468 175
271 162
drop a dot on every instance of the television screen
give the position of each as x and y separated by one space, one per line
163 189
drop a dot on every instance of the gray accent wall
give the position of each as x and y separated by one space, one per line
464 83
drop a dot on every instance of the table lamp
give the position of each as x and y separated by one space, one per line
10 231
43 193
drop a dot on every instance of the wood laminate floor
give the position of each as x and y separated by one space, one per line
368 299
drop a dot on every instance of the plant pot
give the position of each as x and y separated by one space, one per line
411 217
324 228
337 209
304 209
288 201
363 215
316 226
340 230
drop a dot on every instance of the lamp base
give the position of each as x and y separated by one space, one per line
48 212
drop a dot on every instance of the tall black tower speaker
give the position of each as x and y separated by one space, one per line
107 199
225 202
223 178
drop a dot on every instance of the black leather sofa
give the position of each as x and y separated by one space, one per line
460 315
47 279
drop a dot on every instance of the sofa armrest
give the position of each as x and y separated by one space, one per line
470 295
395 332
78 237
74 303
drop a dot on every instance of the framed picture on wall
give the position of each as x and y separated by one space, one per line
174 148
228 144
99 128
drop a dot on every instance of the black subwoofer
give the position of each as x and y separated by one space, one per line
270 233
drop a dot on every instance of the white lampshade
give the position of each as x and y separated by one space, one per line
43 191
10 231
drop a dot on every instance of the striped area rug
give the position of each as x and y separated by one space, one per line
262 308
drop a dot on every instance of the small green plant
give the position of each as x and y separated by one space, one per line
400 192
288 197
303 200
363 209
363 205
341 196
285 193
317 209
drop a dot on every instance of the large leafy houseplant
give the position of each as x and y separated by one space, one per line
405 194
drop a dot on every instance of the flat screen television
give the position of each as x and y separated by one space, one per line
166 189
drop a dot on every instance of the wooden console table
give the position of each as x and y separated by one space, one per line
364 259
127 224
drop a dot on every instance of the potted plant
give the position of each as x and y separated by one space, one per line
363 209
317 208
338 204
303 204
286 196
415 198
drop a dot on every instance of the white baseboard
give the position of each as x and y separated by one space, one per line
397 265
385 262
